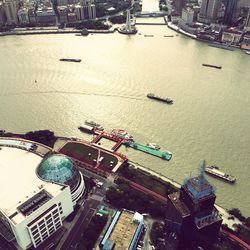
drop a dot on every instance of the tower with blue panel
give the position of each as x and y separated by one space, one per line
191 213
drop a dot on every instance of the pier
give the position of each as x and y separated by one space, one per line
164 155
119 141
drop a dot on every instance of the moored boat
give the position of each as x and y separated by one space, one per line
248 52
215 171
93 124
86 128
120 133
159 98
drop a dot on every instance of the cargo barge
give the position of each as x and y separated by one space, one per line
214 171
159 98
211 66
165 155
70 60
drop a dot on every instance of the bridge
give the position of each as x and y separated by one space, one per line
151 14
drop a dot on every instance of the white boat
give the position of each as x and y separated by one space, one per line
248 52
153 146
214 170
94 124
122 134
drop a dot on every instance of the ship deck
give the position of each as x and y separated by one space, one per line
162 154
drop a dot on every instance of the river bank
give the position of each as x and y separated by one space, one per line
51 30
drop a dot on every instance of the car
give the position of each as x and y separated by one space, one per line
97 182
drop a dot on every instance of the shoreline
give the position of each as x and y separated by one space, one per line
223 211
52 30
35 136
192 36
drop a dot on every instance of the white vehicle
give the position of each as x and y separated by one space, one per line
153 146
97 182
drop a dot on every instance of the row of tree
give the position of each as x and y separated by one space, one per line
123 196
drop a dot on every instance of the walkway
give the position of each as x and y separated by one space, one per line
235 238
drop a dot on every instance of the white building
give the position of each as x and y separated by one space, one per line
37 191
187 15
232 36
23 16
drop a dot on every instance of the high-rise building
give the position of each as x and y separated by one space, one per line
23 16
230 12
242 7
247 24
10 11
2 14
209 10
191 213
63 2
179 4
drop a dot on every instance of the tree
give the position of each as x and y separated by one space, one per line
236 212
247 222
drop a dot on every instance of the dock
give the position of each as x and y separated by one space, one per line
165 155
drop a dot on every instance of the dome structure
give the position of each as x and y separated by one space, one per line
61 169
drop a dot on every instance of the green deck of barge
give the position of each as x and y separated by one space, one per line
164 155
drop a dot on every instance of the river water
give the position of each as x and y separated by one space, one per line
209 119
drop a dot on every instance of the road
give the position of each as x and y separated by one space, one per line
87 211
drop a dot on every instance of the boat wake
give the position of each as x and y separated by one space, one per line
74 93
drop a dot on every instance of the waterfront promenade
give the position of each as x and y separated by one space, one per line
50 30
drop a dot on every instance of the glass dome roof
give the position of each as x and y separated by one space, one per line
60 169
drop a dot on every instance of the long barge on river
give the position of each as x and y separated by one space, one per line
165 155
159 98
70 60
215 171
211 66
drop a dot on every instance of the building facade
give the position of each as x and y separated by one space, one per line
247 23
10 11
232 36
230 12
209 10
179 5
41 191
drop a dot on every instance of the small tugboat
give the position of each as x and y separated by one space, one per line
70 60
94 125
153 146
214 170
159 98
211 66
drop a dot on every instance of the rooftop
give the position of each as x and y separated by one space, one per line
18 177
198 187
179 205
124 231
